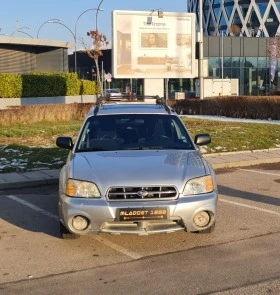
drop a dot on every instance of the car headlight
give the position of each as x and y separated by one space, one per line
200 185
81 189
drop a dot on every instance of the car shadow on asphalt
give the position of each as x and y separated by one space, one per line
31 213
235 193
41 216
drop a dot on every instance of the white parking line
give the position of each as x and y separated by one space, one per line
249 206
260 172
97 238
117 247
35 208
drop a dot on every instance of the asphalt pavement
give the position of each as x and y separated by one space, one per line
15 180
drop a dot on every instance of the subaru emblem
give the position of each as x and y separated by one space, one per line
142 193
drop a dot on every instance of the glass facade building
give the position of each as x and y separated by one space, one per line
239 17
245 59
239 36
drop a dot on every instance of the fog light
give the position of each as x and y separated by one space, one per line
80 223
201 219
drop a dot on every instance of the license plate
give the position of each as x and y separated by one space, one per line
138 214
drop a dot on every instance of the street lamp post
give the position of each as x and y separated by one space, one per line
97 9
47 21
96 17
57 22
19 30
201 81
3 34
25 34
222 63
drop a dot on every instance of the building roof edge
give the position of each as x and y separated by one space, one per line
36 42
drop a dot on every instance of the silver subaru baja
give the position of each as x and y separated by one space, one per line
134 169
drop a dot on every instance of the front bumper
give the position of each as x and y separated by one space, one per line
102 215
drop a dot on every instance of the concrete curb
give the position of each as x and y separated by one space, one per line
244 163
30 183
244 152
243 159
16 180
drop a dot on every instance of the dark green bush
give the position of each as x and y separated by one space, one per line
44 85
250 107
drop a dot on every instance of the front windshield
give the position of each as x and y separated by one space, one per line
133 132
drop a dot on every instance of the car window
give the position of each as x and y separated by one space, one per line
112 91
133 131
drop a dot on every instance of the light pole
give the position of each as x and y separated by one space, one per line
201 81
96 17
3 34
19 30
97 9
222 61
25 34
57 22
47 21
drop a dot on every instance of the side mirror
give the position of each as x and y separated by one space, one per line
202 139
65 142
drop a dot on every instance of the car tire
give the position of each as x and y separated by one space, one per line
207 230
66 234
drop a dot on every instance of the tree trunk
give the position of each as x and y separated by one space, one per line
98 80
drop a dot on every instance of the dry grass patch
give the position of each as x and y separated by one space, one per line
39 113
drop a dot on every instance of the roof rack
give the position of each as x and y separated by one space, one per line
101 100
161 101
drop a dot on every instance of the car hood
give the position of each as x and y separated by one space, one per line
137 168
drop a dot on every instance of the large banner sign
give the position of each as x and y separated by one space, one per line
148 46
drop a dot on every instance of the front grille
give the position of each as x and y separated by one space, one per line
142 193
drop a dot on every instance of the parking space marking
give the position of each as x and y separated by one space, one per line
100 239
260 172
118 248
250 207
35 208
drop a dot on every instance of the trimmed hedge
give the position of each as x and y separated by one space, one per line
249 107
10 85
44 85
88 87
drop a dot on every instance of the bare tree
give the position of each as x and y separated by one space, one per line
99 42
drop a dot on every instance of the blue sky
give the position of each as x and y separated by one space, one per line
29 16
